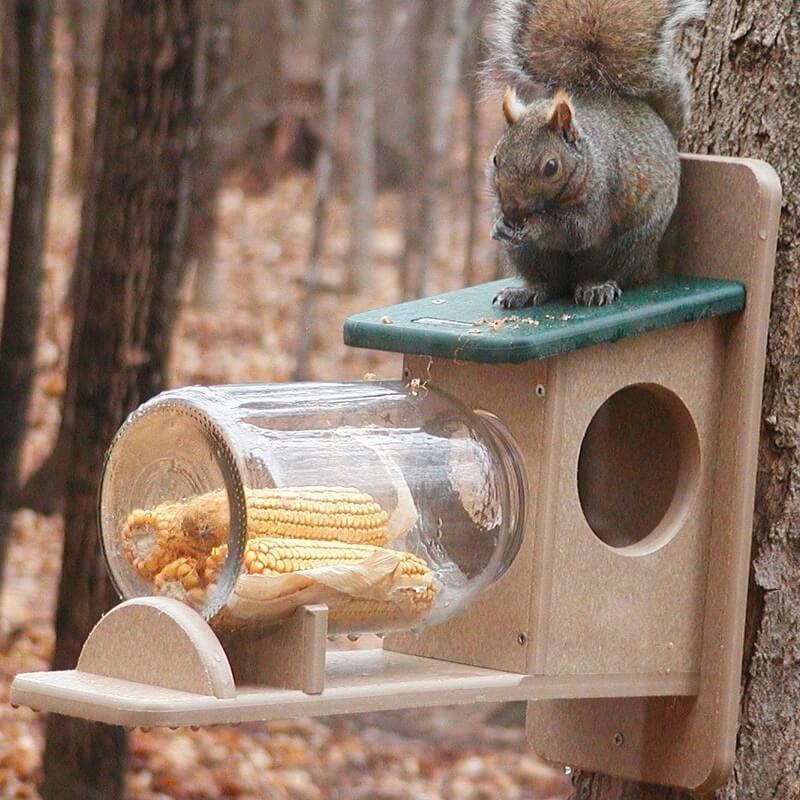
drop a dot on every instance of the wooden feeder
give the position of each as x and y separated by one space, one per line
621 618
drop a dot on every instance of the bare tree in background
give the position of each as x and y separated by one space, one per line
22 306
442 100
333 69
85 18
422 32
211 156
437 81
240 107
475 157
361 19
8 69
133 243
746 103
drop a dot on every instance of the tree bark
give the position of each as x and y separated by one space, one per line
422 31
474 156
22 305
211 158
8 69
362 171
746 103
133 237
441 102
439 41
332 81
85 21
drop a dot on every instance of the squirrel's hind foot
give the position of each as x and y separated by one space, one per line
597 294
521 296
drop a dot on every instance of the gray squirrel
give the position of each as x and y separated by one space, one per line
586 174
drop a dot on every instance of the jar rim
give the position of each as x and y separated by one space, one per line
226 461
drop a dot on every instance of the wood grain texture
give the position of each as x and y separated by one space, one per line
746 103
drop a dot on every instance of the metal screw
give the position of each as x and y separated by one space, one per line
618 739
540 390
522 639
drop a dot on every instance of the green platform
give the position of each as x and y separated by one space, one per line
464 325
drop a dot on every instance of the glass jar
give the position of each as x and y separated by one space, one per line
391 502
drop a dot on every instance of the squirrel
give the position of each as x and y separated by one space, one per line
586 175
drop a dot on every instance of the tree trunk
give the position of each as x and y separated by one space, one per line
133 236
8 70
333 73
362 170
474 159
84 18
422 31
22 305
211 158
746 103
440 37
441 102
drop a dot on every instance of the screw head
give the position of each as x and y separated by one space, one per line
540 390
618 739
522 639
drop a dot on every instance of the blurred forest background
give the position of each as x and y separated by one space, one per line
261 169
201 191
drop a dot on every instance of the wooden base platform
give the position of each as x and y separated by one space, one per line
355 681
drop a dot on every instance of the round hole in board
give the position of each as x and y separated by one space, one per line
638 469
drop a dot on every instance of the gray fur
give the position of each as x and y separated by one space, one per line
667 91
626 178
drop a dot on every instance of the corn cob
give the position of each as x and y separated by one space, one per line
321 513
278 556
352 614
179 579
153 539
270 557
182 548
214 563
194 527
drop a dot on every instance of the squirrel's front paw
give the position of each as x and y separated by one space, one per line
521 296
597 294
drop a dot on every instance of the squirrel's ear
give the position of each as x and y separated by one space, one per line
513 107
562 117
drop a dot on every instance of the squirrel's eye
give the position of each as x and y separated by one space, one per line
550 168
494 161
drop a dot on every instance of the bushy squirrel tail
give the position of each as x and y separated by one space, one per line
621 46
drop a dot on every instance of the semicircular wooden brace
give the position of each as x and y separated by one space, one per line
158 641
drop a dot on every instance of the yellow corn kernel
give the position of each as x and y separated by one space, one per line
214 563
267 555
152 539
278 556
179 579
271 557
317 512
406 604
192 528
